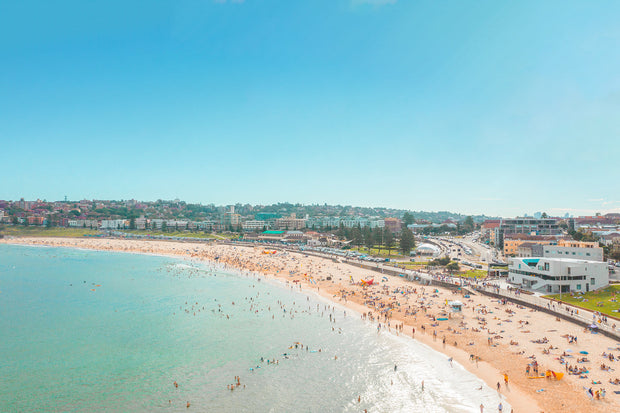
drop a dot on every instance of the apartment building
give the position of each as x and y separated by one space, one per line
528 226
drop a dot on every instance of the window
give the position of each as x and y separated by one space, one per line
579 286
568 270
546 266
588 254
592 281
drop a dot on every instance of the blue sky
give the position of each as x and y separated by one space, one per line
495 107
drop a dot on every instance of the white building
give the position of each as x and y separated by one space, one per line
157 223
254 225
114 224
83 223
141 222
207 225
588 254
549 275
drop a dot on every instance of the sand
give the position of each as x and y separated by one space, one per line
488 338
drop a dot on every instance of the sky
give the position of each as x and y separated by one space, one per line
486 107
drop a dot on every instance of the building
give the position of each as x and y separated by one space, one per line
290 223
294 236
157 223
141 223
178 225
608 238
392 224
487 229
557 251
511 245
208 226
577 244
529 226
530 249
266 216
230 220
254 225
83 223
114 224
272 236
555 275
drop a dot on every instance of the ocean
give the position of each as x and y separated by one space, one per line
100 331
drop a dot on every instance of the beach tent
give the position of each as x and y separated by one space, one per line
456 306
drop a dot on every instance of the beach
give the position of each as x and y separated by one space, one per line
493 340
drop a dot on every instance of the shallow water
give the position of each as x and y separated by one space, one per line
120 347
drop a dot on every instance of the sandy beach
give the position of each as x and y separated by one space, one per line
491 339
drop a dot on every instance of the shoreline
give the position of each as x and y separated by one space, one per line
496 359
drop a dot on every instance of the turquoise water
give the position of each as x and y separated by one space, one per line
155 320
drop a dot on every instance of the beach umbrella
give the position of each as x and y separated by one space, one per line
593 326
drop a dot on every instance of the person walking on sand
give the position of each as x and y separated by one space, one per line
500 407
481 408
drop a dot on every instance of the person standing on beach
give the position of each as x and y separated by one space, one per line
481 408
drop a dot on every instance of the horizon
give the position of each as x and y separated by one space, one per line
494 109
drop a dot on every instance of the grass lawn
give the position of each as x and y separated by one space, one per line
600 300
474 274
379 252
32 231
409 264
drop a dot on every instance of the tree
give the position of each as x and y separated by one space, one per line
377 235
544 215
453 266
132 223
407 241
356 235
468 225
368 239
164 226
388 240
408 218
341 231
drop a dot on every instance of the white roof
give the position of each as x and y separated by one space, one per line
427 246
